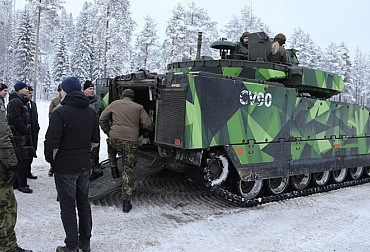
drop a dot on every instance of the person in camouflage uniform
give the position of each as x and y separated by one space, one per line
126 117
8 203
97 105
278 53
241 49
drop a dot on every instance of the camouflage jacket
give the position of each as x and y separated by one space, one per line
7 156
278 54
96 104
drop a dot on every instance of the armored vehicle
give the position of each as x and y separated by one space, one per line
255 131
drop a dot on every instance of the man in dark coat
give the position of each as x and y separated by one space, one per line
19 120
73 131
35 127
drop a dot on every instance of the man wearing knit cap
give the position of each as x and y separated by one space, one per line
241 49
123 133
73 130
19 120
3 93
97 105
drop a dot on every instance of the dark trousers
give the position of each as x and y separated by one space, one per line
29 164
73 190
22 172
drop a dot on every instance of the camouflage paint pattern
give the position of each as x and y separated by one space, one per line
268 123
129 160
8 213
244 72
321 80
304 78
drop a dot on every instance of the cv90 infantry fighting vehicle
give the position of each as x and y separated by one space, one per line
257 131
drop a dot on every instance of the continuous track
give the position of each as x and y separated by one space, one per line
232 197
172 190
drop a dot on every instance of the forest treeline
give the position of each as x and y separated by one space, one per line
105 41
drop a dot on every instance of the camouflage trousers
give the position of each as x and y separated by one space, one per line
94 158
129 159
8 214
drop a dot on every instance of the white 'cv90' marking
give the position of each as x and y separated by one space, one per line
258 99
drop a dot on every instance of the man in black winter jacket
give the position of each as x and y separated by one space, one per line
19 120
35 127
73 130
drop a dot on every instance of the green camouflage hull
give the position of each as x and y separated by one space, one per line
266 129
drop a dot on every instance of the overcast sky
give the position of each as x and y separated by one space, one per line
324 20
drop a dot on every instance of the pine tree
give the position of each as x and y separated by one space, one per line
147 47
25 50
61 66
83 52
6 41
176 36
246 21
197 20
307 52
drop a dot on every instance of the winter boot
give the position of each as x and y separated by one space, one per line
84 246
95 175
115 172
19 249
66 249
126 206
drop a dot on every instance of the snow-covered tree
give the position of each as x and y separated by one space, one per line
61 65
246 21
307 52
119 26
182 33
82 57
6 41
359 71
147 47
176 32
25 50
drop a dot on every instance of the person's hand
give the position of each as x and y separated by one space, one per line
11 175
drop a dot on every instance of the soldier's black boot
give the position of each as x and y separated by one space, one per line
84 246
95 175
126 206
66 249
19 249
115 172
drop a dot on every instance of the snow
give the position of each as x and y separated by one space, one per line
333 221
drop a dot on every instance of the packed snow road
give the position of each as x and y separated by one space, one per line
333 221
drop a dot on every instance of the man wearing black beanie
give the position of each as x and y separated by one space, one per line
20 125
73 130
97 105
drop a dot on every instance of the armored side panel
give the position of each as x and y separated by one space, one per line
266 129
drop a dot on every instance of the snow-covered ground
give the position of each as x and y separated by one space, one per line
334 221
